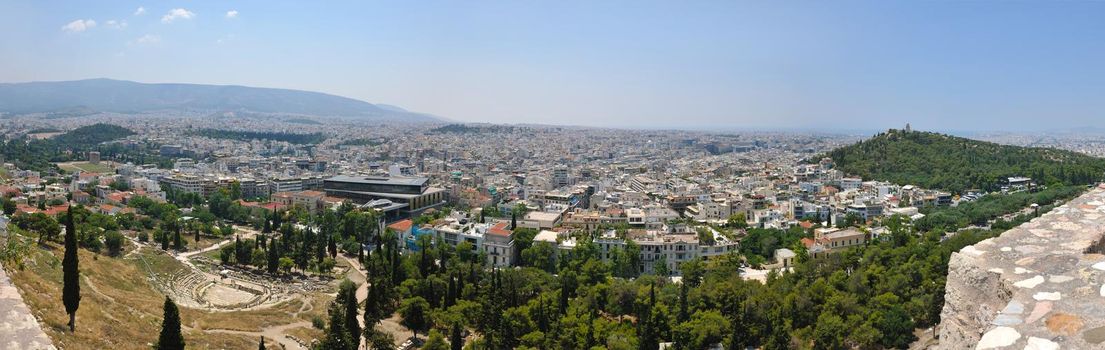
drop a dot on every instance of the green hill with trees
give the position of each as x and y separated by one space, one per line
957 164
38 154
92 135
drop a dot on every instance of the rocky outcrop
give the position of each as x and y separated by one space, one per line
1037 286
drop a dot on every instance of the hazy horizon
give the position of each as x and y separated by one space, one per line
860 66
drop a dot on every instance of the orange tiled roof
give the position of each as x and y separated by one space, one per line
57 209
404 225
808 242
500 229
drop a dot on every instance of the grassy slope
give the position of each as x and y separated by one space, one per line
120 309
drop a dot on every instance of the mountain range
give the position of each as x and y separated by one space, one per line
119 96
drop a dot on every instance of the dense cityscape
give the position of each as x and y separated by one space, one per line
492 175
271 210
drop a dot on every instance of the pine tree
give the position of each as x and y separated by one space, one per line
170 338
71 291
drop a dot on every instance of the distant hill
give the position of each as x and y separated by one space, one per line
957 164
37 154
91 135
106 95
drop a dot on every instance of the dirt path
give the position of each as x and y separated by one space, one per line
270 333
246 233
96 290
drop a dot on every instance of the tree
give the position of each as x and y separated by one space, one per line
337 337
456 341
71 291
9 206
178 243
286 264
261 346
347 293
273 257
170 338
414 312
435 341
378 340
164 239
660 268
830 332
737 221
684 313
704 329
114 242
693 271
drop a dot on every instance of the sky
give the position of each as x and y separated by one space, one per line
830 65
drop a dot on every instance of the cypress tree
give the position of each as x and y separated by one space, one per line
337 337
456 342
360 253
71 291
177 243
333 246
170 338
370 304
164 240
262 345
351 326
274 257
513 220
684 314
563 299
451 293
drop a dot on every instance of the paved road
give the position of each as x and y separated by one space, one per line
18 327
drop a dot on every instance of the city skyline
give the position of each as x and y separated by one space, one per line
848 66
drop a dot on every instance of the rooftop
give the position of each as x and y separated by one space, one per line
406 181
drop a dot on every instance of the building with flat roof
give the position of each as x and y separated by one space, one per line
414 192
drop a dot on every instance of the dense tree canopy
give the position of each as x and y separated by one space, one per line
957 164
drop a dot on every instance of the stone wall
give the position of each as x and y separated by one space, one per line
18 327
1037 286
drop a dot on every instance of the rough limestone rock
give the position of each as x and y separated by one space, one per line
1038 286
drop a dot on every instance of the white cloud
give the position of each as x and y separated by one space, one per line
177 13
140 11
148 39
113 24
79 25
232 14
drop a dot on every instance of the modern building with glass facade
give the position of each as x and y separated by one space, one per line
410 195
